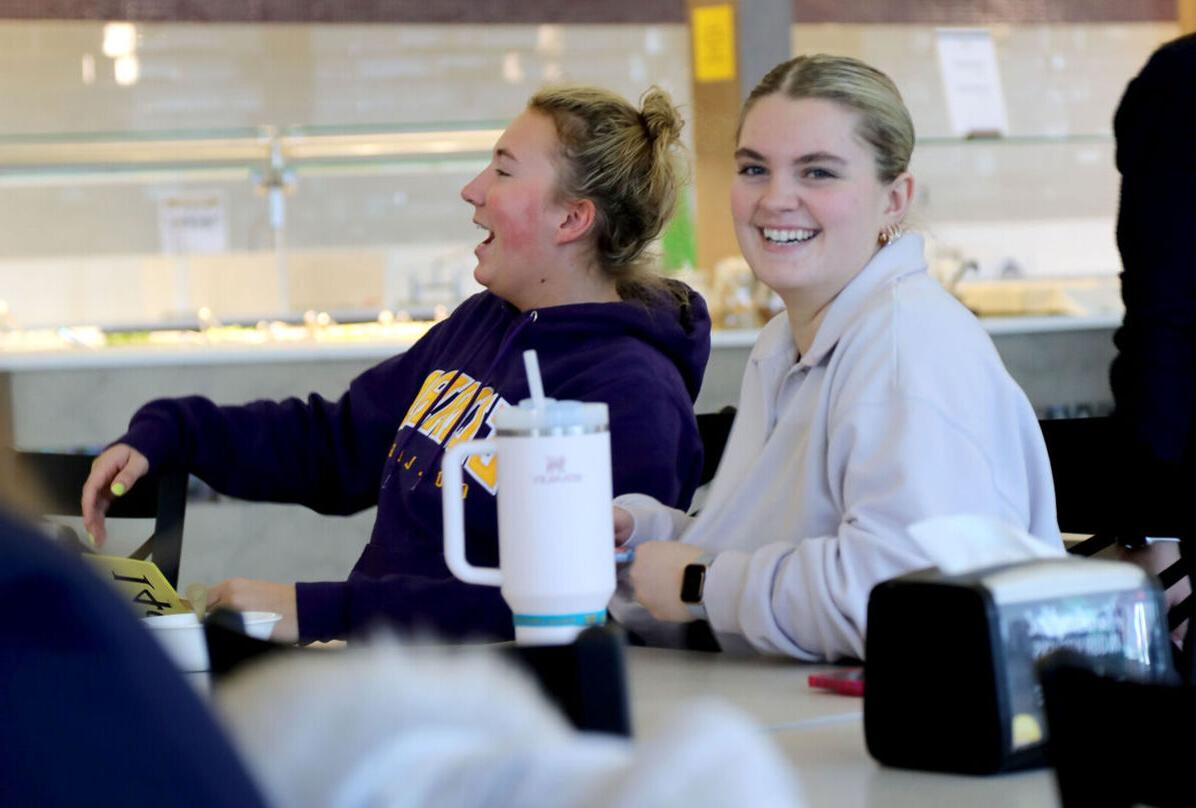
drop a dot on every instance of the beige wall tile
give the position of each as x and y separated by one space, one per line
87 248
1019 199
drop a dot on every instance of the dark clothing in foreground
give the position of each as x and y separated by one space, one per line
1154 374
91 710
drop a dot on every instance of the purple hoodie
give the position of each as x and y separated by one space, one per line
382 443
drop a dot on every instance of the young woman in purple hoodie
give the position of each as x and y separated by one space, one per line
578 186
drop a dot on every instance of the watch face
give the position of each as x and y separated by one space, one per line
692 583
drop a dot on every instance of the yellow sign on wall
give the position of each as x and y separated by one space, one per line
714 42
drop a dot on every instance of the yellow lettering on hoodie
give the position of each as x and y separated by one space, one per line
459 416
484 468
433 384
452 407
474 418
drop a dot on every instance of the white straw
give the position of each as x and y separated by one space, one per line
534 383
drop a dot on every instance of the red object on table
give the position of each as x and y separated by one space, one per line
847 682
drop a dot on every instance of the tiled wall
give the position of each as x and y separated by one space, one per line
93 242
88 248
1048 207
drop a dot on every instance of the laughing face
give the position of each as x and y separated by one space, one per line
806 200
514 200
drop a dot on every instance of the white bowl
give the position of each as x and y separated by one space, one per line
181 636
259 625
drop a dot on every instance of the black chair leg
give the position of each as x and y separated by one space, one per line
1185 663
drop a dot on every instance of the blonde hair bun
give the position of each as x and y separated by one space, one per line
661 119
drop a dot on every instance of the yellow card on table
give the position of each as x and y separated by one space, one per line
141 583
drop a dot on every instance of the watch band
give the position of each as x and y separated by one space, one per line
693 585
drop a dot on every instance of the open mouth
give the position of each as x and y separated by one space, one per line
489 234
796 235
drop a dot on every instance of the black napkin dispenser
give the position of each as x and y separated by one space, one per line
950 660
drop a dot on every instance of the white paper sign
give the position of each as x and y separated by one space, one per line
972 82
192 222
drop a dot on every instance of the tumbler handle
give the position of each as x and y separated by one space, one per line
454 514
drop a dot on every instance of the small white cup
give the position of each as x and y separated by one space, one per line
260 625
181 636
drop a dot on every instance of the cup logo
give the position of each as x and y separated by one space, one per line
555 472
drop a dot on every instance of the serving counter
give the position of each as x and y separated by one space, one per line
73 397
73 390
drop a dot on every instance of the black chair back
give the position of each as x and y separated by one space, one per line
1098 492
714 428
1107 738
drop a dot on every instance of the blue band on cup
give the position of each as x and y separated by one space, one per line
549 620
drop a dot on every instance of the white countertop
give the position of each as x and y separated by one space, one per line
309 350
151 356
1038 325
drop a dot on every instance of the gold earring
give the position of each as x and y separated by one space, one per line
889 235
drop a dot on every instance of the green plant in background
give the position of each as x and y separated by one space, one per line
678 247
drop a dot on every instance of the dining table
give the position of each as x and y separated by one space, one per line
820 733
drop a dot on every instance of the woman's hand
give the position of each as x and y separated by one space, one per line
656 576
246 595
113 473
624 526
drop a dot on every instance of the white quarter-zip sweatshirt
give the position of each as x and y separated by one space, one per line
901 410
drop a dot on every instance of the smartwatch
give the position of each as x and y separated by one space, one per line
693 585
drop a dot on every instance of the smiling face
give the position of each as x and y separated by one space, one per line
514 198
807 202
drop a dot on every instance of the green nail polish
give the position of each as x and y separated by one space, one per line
91 540
118 489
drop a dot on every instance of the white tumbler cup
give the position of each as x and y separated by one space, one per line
555 525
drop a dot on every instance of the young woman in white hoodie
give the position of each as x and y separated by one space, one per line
875 400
